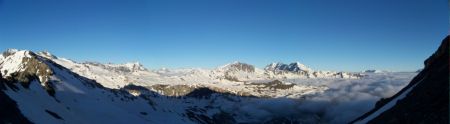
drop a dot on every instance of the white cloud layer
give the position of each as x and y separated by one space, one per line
344 101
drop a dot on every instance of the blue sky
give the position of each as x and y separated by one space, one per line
348 35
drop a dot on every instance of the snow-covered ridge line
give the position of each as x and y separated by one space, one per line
235 77
11 61
277 67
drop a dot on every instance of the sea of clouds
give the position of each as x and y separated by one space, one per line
342 102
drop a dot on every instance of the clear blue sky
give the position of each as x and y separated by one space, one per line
348 35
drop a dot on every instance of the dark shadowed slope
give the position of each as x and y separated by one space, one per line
424 100
9 113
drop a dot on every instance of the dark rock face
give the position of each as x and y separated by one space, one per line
428 101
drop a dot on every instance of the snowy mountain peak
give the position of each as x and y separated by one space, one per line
237 66
135 66
297 66
12 60
293 67
47 54
11 51
235 62
272 65
22 64
17 53
229 64
123 68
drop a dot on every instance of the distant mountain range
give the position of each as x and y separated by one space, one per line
43 88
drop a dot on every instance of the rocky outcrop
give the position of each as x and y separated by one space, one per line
427 96
30 68
193 90
274 85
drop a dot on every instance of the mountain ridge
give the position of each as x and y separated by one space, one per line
139 65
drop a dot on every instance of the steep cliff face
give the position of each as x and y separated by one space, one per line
424 100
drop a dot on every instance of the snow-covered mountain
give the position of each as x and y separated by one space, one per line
296 69
46 92
44 88
279 67
236 77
